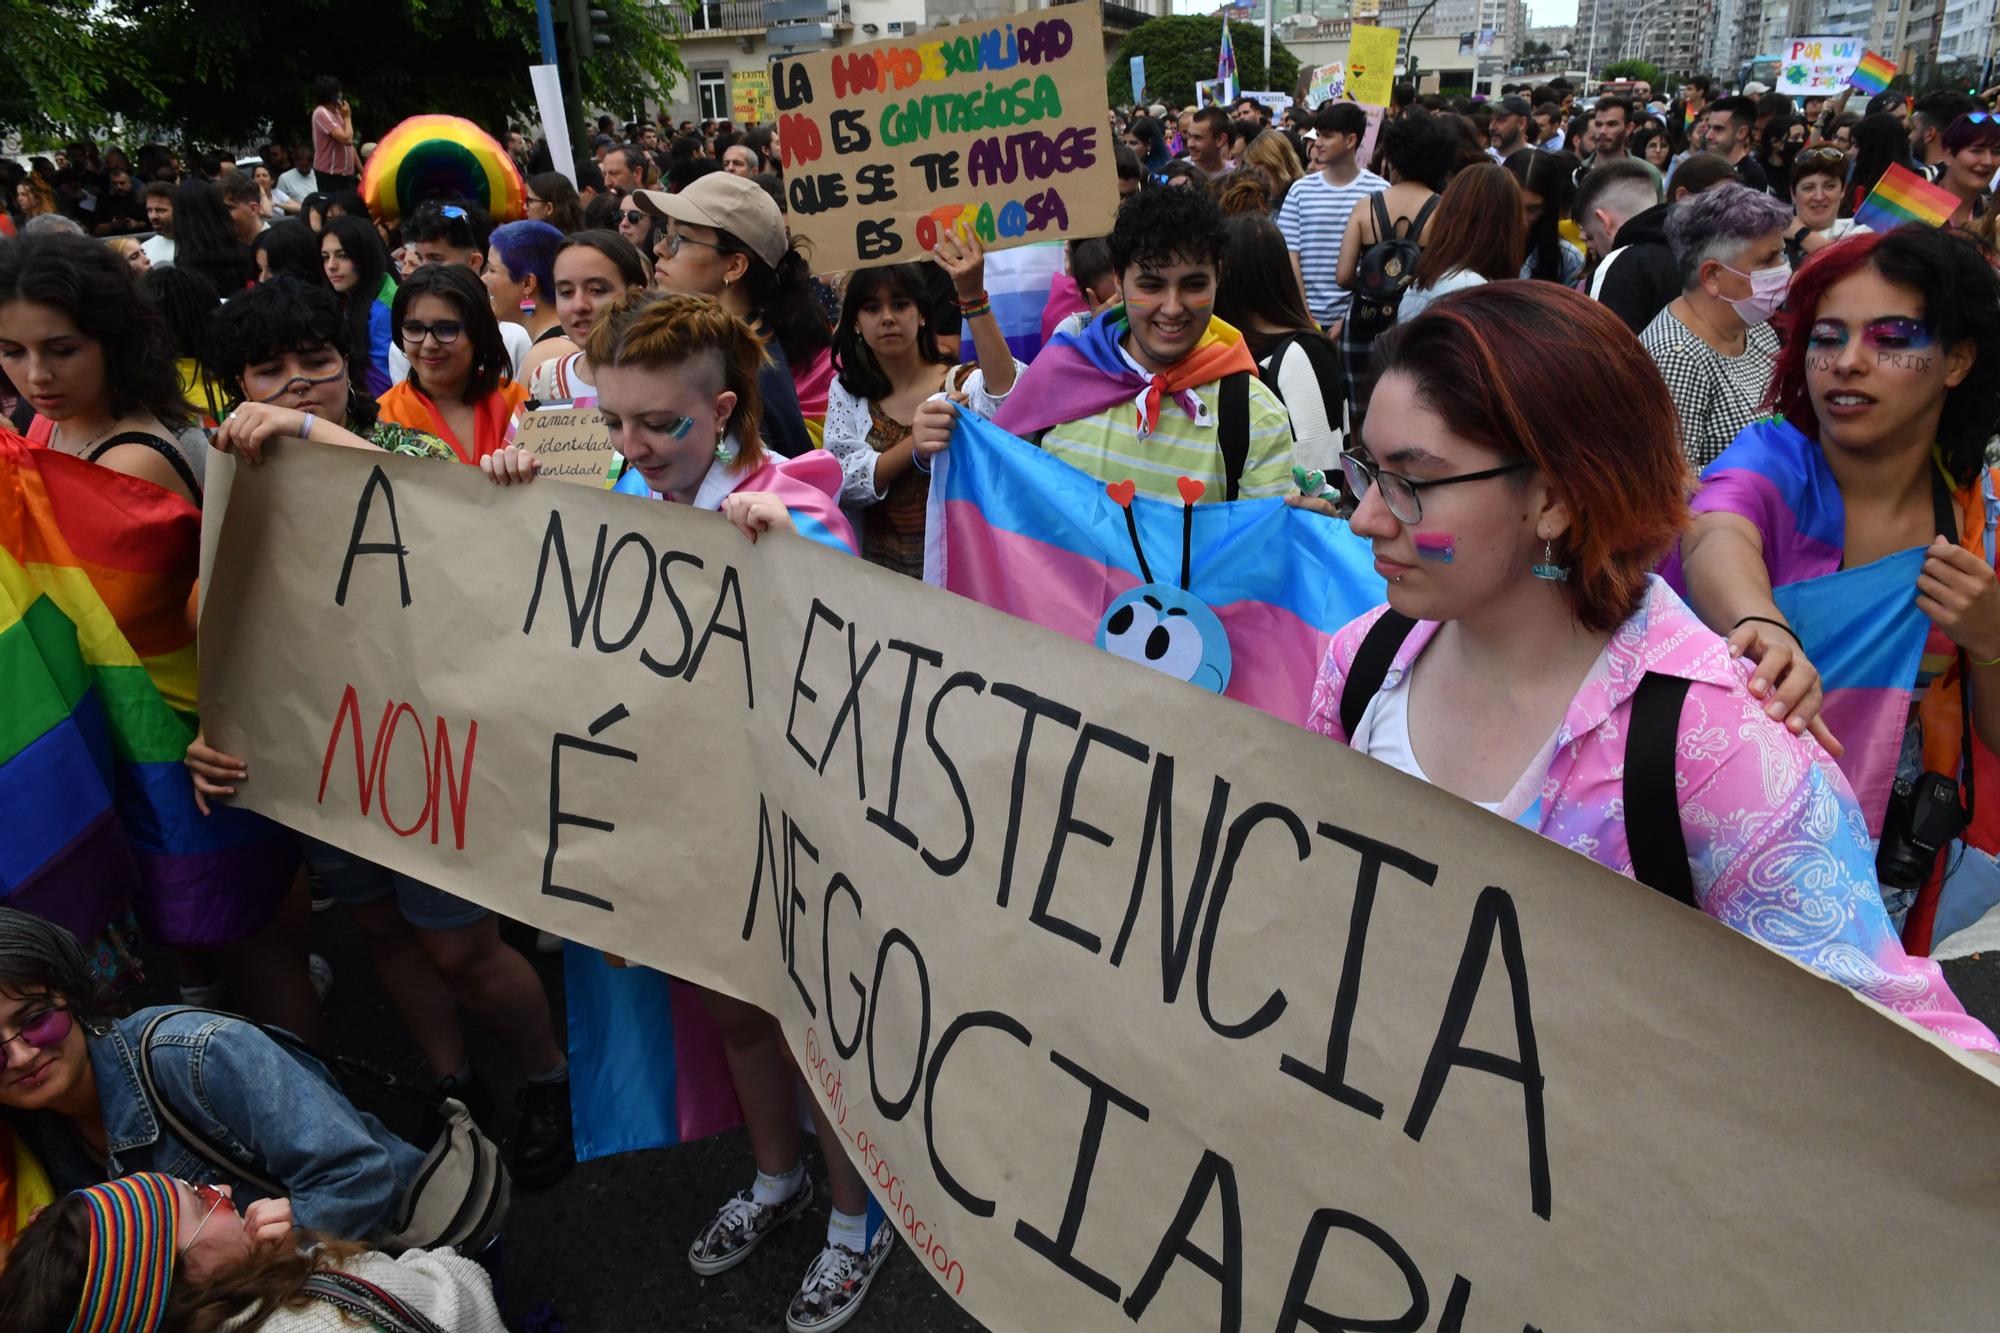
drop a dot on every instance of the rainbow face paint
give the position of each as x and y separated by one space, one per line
1437 546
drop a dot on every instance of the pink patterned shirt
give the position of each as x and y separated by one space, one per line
1776 842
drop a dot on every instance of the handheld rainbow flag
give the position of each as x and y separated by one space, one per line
97 656
1872 74
1023 532
1902 197
1225 63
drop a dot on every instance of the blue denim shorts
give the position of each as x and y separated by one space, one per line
348 878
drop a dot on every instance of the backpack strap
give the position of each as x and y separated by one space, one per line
1371 666
1416 231
1385 230
363 1299
158 446
1233 428
1652 796
197 1142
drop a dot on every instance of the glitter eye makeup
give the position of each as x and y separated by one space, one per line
1896 333
1827 333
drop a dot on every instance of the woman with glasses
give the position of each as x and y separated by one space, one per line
459 388
552 199
149 1251
1517 510
725 238
592 269
89 1094
1819 175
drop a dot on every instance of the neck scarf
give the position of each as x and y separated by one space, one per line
1079 375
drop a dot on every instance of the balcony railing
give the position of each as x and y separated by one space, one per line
735 18
1117 18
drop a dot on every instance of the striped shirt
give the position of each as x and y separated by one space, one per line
1314 221
1109 447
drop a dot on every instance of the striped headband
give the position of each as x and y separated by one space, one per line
130 1260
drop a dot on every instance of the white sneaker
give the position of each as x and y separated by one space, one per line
836 1282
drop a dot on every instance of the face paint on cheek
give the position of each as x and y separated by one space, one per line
1438 546
1821 363
1910 361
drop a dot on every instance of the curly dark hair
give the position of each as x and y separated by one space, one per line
1961 303
1421 148
272 318
860 373
93 285
1156 228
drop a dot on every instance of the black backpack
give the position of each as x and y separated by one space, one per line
1652 797
1388 267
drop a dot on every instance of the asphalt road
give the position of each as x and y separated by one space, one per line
605 1250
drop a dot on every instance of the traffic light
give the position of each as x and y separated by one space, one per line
587 28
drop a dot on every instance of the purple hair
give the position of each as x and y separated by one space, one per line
1978 127
1719 222
530 247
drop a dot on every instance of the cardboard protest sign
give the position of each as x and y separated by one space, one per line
750 96
1277 103
1001 126
1328 82
1138 1008
1138 80
1818 66
571 443
1211 92
1371 63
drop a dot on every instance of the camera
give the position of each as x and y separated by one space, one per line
1922 819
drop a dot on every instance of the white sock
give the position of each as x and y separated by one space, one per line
771 1190
849 1229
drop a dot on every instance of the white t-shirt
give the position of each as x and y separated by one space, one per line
1384 733
517 340
296 185
1417 299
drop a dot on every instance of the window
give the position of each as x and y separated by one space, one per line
712 92
704 16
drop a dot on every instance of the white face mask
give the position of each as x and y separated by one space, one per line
1767 292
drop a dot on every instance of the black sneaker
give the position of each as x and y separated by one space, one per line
543 1149
836 1282
740 1227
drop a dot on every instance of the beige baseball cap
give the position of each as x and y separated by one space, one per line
735 204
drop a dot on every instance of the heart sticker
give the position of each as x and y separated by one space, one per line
1191 490
1122 491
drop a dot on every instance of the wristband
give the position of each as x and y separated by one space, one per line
965 303
307 433
1766 620
1991 661
975 311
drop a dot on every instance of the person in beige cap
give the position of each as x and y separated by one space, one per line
725 238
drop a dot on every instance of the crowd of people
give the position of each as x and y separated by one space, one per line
1603 385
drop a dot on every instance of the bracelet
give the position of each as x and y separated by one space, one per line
982 300
1766 620
1991 661
974 311
307 433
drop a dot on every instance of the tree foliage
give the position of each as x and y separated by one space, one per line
1180 51
1643 70
233 71
67 62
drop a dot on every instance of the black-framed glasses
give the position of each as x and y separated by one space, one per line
446 331
44 1030
635 217
1404 495
675 240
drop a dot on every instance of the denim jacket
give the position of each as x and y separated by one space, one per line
256 1101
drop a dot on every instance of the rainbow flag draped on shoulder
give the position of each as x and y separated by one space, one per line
1024 532
97 668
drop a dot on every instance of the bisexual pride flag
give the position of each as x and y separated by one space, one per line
1902 197
97 671
1024 532
1872 74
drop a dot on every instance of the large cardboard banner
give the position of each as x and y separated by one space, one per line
1002 126
1137 1007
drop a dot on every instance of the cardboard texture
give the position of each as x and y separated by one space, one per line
1002 126
1136 1006
1371 63
571 443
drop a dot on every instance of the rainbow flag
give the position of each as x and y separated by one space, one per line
1902 197
97 665
1872 74
1225 63
1024 532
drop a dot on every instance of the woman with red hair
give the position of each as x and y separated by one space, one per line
1854 535
1529 662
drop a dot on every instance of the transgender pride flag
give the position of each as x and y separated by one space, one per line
1024 532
